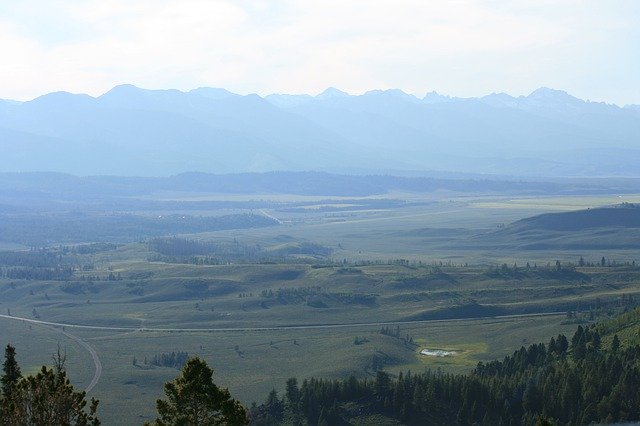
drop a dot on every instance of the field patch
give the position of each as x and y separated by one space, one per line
439 354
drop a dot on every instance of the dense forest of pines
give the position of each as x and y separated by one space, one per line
567 381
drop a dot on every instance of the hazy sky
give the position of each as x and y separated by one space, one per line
465 47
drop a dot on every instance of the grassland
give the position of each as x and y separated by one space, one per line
308 315
252 361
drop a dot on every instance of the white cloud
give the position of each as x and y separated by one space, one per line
464 47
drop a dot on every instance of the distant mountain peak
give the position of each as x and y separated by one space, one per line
126 86
332 92
500 95
122 90
434 97
546 93
212 92
396 93
56 98
500 100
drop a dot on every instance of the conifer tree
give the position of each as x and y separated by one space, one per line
48 398
193 399
10 371
615 343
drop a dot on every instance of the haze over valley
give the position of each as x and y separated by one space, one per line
239 212
132 131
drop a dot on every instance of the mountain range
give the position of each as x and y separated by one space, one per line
134 131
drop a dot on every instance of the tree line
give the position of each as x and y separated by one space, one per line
567 381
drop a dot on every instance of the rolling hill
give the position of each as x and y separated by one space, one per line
619 216
613 227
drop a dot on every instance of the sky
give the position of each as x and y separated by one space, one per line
458 47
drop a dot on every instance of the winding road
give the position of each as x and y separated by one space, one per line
94 356
60 327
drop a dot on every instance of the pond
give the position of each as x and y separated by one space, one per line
438 352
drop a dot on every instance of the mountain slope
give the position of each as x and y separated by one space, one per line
134 131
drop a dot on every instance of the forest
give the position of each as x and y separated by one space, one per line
580 380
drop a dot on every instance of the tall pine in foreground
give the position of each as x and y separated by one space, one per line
193 399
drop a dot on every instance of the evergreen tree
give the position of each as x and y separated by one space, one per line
615 343
193 399
10 371
48 398
382 384
274 406
562 344
292 392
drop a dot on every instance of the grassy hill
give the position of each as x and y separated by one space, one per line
620 216
625 326
612 227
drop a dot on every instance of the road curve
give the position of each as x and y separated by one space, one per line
270 216
94 355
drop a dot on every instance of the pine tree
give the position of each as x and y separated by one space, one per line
615 343
11 371
292 392
48 398
193 399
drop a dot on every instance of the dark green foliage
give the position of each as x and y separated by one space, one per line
52 263
316 296
182 247
10 371
360 340
47 398
173 359
193 399
41 228
42 258
615 344
558 383
553 272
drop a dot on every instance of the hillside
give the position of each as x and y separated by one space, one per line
614 227
620 216
134 131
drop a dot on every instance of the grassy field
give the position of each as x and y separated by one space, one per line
308 315
252 363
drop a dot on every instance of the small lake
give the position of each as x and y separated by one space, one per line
438 352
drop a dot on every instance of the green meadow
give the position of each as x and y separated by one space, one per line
336 292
